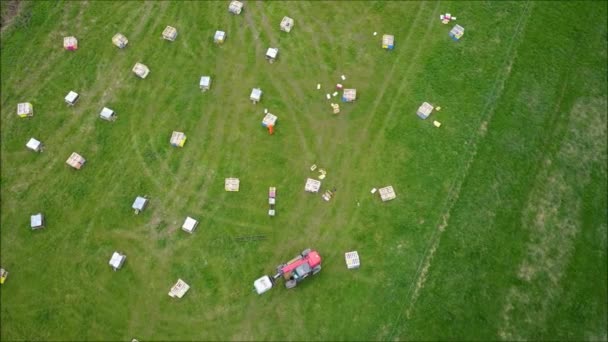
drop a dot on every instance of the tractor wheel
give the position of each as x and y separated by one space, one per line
290 284
305 252
316 270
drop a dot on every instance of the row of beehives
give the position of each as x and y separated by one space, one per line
386 193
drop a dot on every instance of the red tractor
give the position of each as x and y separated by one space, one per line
294 271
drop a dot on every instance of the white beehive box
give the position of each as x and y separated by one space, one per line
387 193
235 7
179 289
271 54
75 160
25 109
269 120
34 145
352 260
120 40
424 110
219 37
70 43
189 225
107 114
37 221
263 284
141 70
139 204
170 33
312 185
71 98
256 95
117 260
232 184
287 24
205 83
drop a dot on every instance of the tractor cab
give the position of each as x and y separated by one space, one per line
301 272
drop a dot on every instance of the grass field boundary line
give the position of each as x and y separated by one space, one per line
454 192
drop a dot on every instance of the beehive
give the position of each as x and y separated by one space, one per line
139 204
70 43
235 7
34 145
189 225
424 110
120 40
388 41
71 98
256 95
312 185
232 184
205 83
457 32
349 95
272 54
25 109
75 160
141 70
269 120
219 37
179 289
352 260
387 193
37 221
117 260
178 139
107 114
170 33
287 24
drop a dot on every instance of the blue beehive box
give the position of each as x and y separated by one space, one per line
457 32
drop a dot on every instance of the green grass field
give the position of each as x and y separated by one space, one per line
498 231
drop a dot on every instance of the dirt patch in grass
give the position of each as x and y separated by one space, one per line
9 11
551 220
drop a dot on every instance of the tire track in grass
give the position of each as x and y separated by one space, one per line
454 192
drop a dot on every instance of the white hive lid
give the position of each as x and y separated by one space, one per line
36 220
139 203
189 224
106 112
71 96
33 144
272 52
116 259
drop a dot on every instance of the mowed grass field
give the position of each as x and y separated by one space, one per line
498 231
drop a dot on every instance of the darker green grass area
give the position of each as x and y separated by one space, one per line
498 230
